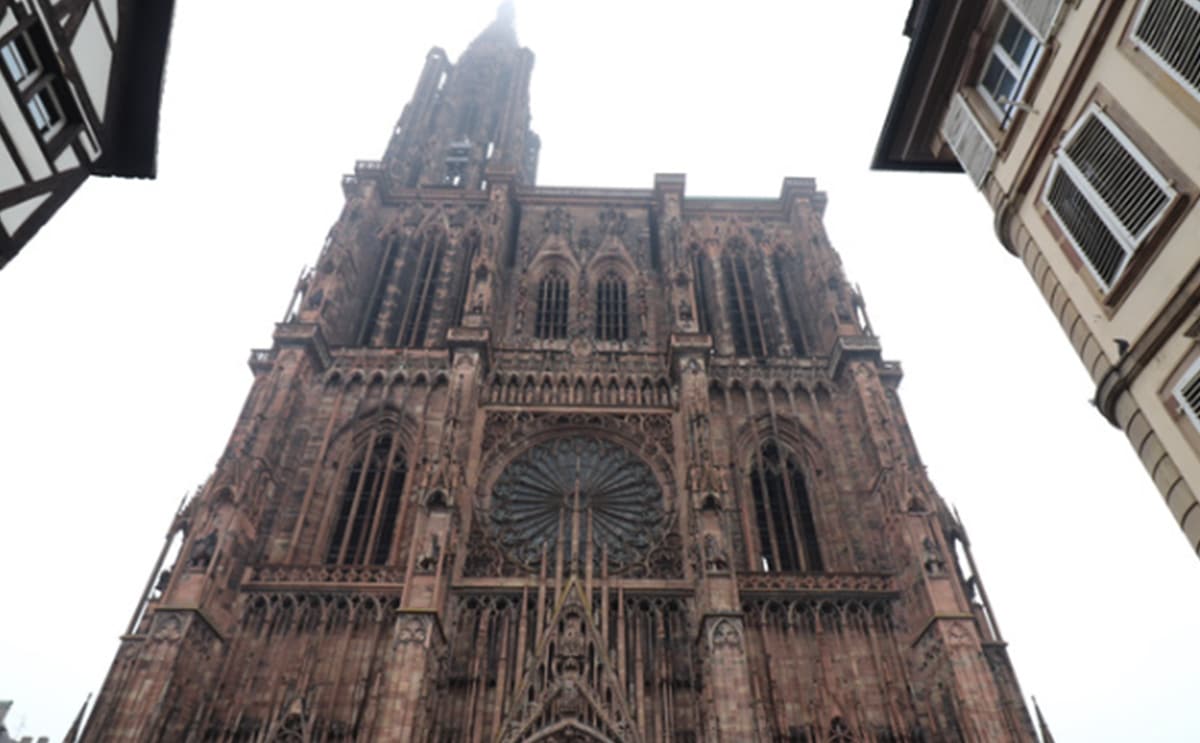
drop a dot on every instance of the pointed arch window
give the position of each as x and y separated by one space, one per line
467 251
703 291
745 322
612 309
373 317
553 299
370 505
787 532
415 290
789 300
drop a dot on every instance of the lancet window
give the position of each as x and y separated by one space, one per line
745 321
787 532
703 291
789 301
416 286
467 251
370 505
387 271
553 300
612 309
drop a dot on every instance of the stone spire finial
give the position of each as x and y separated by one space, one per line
506 14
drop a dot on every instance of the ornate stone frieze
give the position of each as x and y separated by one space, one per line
831 583
265 576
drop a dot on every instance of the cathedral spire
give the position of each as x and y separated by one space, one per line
502 30
471 117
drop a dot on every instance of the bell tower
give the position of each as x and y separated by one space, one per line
538 464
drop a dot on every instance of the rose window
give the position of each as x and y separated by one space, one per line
564 489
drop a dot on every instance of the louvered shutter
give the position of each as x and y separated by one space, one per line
968 139
1187 392
1105 194
1037 15
1168 31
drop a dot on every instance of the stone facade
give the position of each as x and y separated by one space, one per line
548 464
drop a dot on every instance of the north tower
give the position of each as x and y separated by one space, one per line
546 464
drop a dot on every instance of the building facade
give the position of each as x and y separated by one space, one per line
563 464
80 94
1079 122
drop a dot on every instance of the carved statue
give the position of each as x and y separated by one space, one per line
202 551
935 564
428 559
715 558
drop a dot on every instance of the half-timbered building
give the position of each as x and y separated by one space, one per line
80 95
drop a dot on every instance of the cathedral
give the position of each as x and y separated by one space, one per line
528 463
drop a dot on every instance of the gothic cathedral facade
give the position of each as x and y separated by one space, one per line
563 464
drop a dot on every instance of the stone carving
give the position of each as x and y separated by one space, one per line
167 628
613 222
571 692
428 559
935 564
725 636
202 551
558 221
715 558
411 632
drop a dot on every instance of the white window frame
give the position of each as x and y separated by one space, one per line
1153 54
1190 376
44 105
1022 70
21 60
1128 242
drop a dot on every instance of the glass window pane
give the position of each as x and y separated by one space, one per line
44 110
19 59
991 77
1016 40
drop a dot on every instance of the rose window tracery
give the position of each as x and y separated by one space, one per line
566 488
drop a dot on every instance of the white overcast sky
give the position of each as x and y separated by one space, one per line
126 323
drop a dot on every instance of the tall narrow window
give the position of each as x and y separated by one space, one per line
415 290
552 303
789 301
787 532
384 279
462 279
1105 194
745 324
370 505
703 291
612 309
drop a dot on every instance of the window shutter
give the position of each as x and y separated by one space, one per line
1168 31
1105 194
1187 392
968 140
1037 15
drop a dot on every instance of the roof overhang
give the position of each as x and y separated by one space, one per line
940 32
130 146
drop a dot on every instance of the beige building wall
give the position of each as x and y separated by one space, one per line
1089 59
